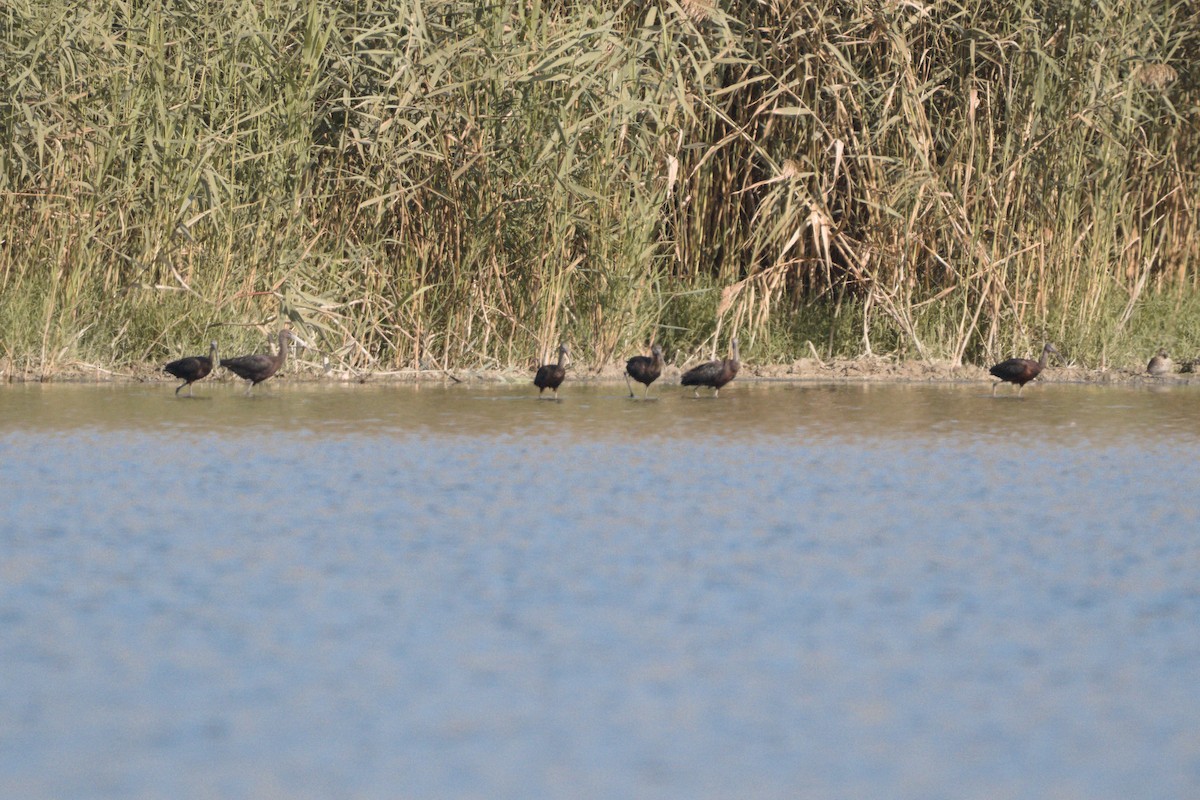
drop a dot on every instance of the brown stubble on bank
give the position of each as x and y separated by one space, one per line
307 368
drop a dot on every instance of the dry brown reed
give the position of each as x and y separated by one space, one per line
421 185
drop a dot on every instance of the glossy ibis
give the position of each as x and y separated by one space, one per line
550 376
192 368
1020 370
1160 364
715 373
644 369
260 366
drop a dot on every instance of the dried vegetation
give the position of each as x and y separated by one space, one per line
436 184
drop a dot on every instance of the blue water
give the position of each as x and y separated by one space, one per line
790 591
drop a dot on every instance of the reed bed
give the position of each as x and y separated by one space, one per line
456 184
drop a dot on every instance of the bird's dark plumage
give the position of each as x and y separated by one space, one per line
258 367
1021 370
1160 364
192 368
644 369
714 373
550 376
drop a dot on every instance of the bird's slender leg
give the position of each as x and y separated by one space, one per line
994 385
646 394
629 385
715 393
696 392
180 386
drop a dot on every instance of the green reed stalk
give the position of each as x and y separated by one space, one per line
440 185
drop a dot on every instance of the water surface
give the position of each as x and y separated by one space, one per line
795 590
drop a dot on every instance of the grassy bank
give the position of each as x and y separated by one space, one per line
456 184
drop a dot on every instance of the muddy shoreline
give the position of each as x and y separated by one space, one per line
862 370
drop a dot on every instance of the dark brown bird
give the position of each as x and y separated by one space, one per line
192 368
550 376
1020 370
644 369
715 373
1160 364
258 367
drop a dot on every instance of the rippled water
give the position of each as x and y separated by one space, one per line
791 591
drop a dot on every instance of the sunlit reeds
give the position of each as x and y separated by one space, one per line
456 184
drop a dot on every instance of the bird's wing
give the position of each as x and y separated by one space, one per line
257 361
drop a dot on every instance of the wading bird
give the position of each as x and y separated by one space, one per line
1020 370
1160 364
715 373
192 368
644 369
260 366
550 376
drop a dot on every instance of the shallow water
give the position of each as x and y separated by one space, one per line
462 592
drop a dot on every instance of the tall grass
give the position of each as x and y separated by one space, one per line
448 184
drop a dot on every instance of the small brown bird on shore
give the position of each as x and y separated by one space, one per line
1020 370
713 373
260 366
644 369
192 368
550 376
1160 364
